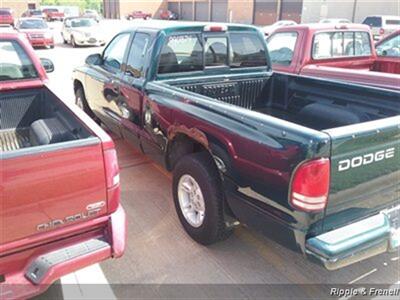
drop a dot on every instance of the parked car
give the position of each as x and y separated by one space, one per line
82 32
52 222
37 32
34 13
53 14
382 26
168 15
389 46
334 21
6 16
345 52
138 15
300 159
6 28
269 29
91 13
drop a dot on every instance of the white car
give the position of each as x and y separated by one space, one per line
334 21
269 29
82 32
382 26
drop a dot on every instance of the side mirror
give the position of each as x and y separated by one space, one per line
94 59
47 65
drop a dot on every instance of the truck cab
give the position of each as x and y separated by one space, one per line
338 51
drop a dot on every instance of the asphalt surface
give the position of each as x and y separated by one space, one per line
159 251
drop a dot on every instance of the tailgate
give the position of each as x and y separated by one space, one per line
51 187
365 175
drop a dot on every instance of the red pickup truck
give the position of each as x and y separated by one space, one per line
59 174
53 14
337 51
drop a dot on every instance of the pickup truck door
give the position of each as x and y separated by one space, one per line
131 85
102 83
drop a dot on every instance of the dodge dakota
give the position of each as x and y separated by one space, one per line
59 176
313 164
338 51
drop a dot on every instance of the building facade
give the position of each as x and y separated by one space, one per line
258 12
19 6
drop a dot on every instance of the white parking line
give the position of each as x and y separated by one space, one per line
87 283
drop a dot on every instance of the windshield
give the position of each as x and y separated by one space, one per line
373 21
36 13
391 47
4 13
52 10
33 24
83 23
15 64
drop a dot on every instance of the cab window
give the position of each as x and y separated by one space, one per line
216 51
181 53
15 63
247 51
341 44
281 47
113 55
139 47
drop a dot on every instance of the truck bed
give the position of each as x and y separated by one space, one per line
35 117
301 100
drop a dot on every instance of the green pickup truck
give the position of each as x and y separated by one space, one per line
313 164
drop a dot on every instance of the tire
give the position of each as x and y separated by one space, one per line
81 102
201 168
73 44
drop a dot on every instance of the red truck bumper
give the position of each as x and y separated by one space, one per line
49 263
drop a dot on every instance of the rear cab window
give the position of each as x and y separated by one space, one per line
201 51
15 63
327 45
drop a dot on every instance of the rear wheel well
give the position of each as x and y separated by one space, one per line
180 146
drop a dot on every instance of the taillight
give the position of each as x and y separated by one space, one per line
381 31
310 185
112 179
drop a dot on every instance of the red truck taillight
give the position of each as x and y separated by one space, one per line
310 185
112 178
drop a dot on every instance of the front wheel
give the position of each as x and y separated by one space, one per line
199 198
81 102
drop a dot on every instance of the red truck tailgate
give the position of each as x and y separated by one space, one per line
50 190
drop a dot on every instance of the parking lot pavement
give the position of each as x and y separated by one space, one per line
159 251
